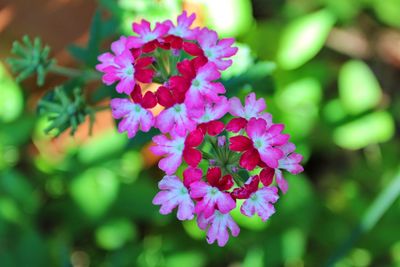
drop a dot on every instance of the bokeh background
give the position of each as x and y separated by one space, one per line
328 69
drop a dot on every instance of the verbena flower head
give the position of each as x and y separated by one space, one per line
185 66
228 151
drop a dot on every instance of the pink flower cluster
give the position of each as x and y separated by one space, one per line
217 157
185 62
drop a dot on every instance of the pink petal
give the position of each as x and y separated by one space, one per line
256 128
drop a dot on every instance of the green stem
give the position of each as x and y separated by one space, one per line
87 75
381 204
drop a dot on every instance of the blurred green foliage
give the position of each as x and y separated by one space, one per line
90 204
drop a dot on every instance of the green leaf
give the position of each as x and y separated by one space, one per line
102 147
374 128
303 38
359 90
11 98
299 102
95 35
258 77
254 258
388 11
189 258
89 54
115 233
95 190
237 18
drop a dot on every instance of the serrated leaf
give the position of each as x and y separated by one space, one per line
303 38
359 90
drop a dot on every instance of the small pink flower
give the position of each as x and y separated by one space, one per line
215 50
145 33
253 108
203 88
107 59
260 202
125 69
265 140
211 198
214 110
176 119
218 224
133 116
172 148
174 194
182 29
290 162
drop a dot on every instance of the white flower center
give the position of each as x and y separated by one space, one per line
258 143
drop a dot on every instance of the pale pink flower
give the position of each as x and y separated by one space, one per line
265 140
145 33
211 199
214 110
215 50
253 108
260 202
174 194
175 119
122 70
290 162
133 116
182 29
202 88
172 149
218 225
107 59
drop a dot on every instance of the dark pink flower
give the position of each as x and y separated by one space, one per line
211 199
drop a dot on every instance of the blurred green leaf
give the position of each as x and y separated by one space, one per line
299 102
191 258
115 233
236 20
98 30
388 11
101 147
95 190
374 213
9 210
11 98
303 38
334 111
18 187
242 61
359 90
293 245
373 128
257 77
254 258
